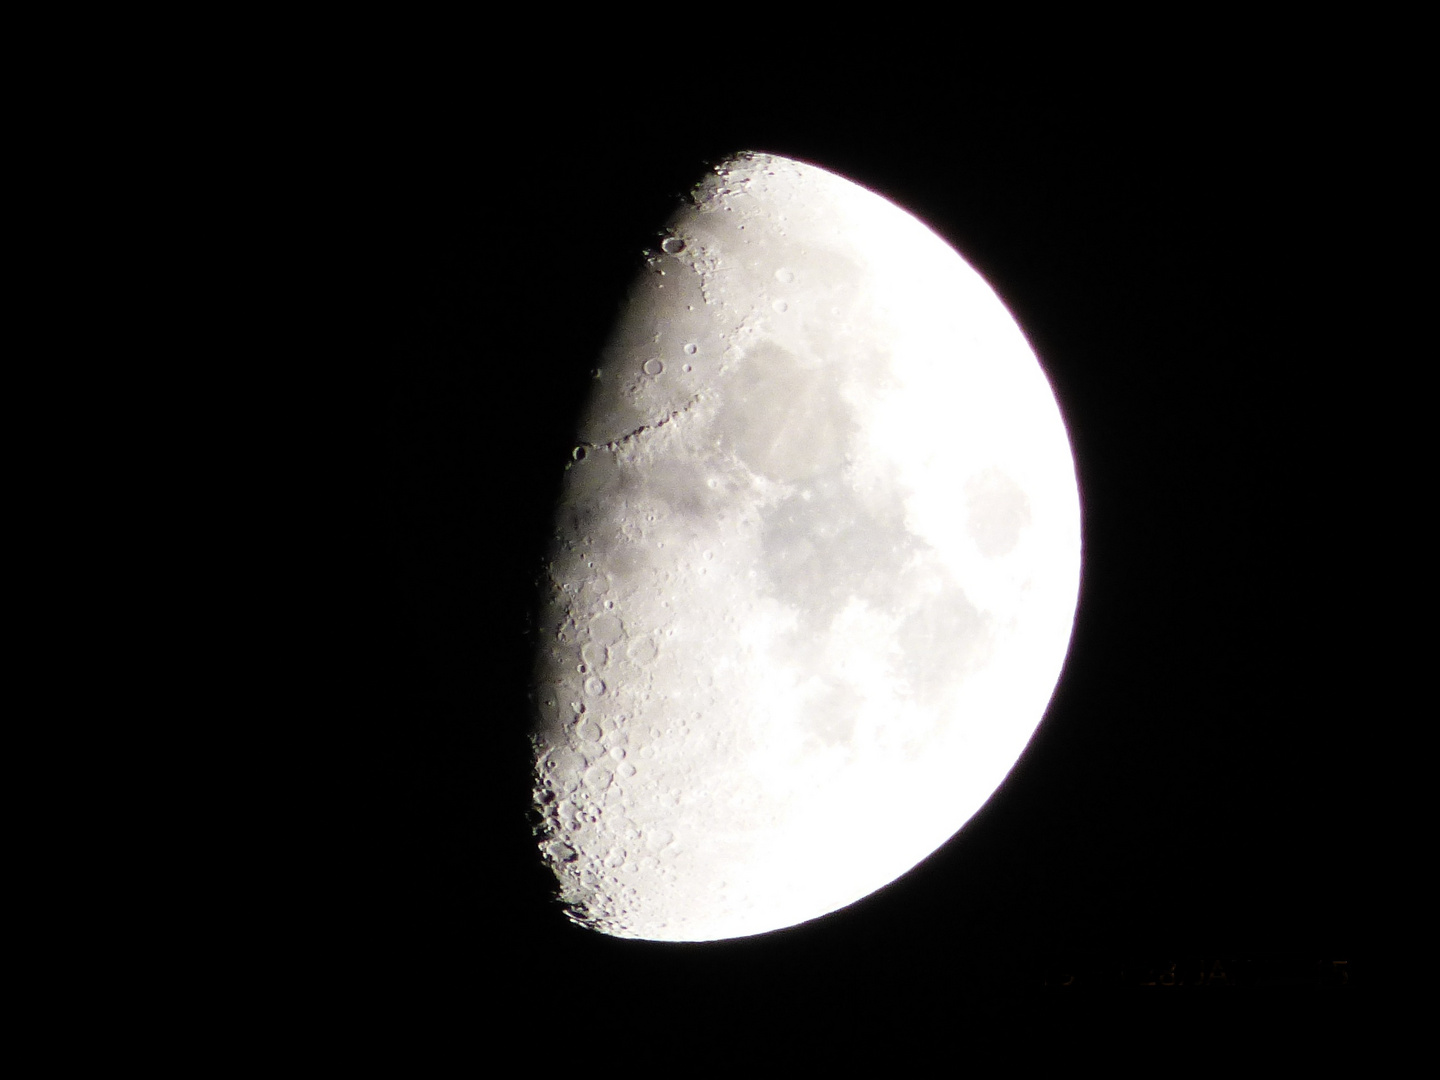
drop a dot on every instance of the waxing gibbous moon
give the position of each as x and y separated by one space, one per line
814 568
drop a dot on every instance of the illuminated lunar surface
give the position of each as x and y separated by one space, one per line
814 569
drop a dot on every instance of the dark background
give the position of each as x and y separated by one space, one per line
1189 798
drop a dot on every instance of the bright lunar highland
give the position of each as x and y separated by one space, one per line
814 568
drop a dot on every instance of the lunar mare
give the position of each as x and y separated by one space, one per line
814 568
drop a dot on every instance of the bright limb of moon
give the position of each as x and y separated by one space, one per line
814 572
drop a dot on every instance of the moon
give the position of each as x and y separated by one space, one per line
814 569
